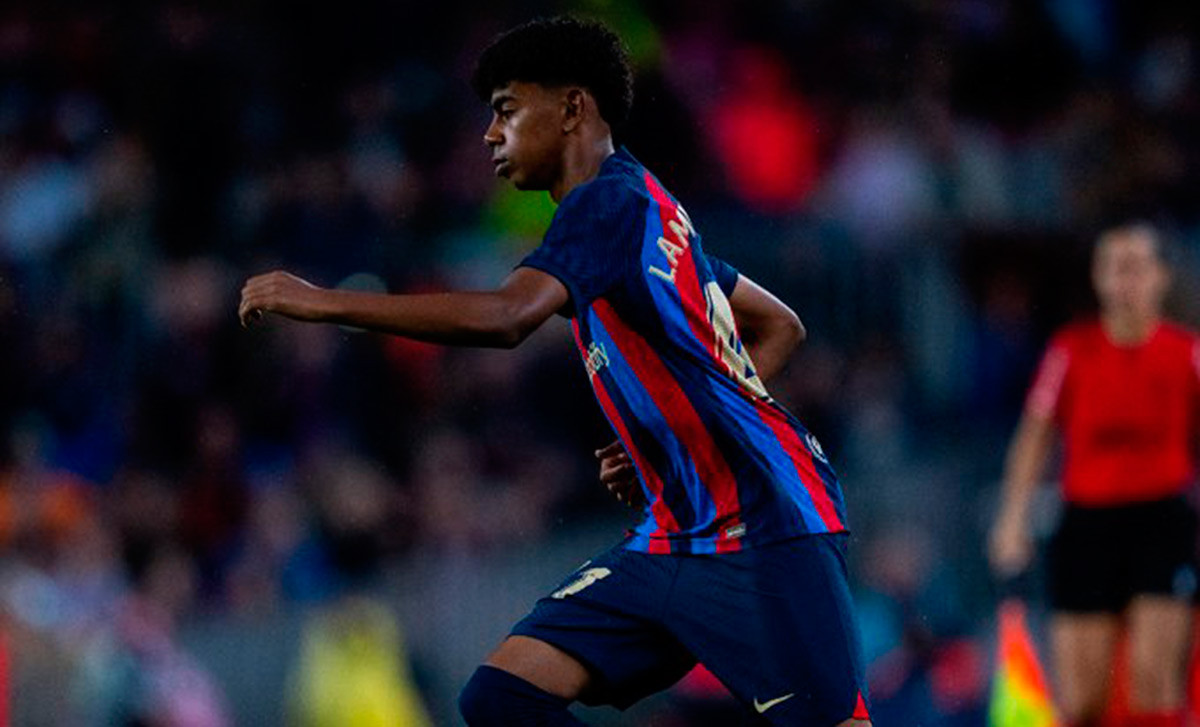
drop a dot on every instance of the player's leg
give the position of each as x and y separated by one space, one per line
541 664
776 625
524 683
1082 647
593 640
1159 645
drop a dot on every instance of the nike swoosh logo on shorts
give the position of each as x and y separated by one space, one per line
761 707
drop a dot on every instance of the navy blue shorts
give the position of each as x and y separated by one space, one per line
774 623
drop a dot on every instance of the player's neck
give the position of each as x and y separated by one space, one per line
1128 328
581 163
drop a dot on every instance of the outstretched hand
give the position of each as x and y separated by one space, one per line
618 474
282 293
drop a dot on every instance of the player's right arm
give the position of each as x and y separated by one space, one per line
499 318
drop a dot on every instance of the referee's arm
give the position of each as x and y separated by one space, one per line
1010 546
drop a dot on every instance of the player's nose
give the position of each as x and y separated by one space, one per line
492 136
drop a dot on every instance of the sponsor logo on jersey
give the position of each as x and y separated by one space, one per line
597 358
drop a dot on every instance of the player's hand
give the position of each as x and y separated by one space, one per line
618 475
1010 546
282 293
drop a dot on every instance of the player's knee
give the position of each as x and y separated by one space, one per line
494 698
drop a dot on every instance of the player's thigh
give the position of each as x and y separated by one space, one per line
606 618
1159 644
776 625
1082 647
543 665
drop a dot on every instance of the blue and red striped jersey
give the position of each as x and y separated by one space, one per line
723 466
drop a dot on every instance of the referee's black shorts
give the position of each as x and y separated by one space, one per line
1101 557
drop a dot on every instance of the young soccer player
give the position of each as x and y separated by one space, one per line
740 563
1124 390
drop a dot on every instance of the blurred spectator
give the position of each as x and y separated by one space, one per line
763 134
351 671
139 674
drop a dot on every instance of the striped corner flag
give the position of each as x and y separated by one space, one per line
1020 695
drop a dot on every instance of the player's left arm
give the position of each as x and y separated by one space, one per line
499 318
769 329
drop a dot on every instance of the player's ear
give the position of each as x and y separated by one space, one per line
575 103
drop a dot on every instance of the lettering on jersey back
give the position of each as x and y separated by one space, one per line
729 345
674 244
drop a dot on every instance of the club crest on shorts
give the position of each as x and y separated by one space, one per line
585 579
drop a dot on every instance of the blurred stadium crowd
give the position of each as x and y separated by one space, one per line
205 525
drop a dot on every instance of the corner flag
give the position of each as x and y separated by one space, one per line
1020 695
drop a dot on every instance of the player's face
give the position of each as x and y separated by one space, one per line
526 134
1128 273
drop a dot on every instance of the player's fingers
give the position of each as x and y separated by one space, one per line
615 460
264 284
614 474
610 450
613 479
250 308
259 292
252 315
254 284
622 485
245 307
627 491
260 296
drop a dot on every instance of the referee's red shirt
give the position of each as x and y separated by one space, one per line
1130 415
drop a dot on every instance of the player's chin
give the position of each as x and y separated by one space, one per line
527 183
520 181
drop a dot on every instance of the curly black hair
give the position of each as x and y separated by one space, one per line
561 51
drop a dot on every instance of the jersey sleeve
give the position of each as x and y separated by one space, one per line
725 274
1046 394
590 239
